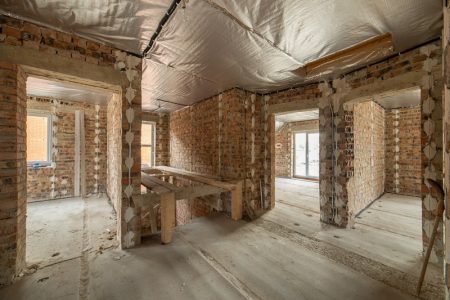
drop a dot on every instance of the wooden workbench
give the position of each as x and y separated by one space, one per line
166 194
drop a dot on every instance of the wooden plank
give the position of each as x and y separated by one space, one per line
197 177
236 202
151 181
197 191
167 217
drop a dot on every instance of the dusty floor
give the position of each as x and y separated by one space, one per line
286 254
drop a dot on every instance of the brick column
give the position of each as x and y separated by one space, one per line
13 171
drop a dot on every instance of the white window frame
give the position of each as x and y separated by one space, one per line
48 115
307 133
152 145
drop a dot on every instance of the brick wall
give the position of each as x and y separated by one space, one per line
283 145
13 174
220 136
114 151
66 57
39 181
403 155
418 67
367 183
21 33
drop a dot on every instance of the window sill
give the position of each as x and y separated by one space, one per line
35 166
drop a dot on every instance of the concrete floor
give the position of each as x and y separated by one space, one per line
387 236
285 254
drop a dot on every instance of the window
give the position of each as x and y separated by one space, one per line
39 138
306 154
147 138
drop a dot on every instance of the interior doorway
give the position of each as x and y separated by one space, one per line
67 140
297 162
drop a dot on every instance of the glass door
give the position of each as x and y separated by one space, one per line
306 154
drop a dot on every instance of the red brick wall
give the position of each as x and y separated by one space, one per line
403 124
40 42
283 145
39 185
367 183
20 33
13 174
220 136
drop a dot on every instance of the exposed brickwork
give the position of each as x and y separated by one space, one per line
39 184
37 41
220 136
335 173
407 148
367 183
21 33
114 153
13 171
284 146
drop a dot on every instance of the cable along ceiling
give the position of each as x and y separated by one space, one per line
208 46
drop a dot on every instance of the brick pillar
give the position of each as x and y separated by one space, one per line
13 171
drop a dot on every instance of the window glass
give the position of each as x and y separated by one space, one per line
147 132
38 138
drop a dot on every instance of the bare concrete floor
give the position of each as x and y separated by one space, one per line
210 258
387 235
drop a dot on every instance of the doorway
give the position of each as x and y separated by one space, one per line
66 166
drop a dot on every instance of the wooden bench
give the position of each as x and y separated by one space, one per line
165 195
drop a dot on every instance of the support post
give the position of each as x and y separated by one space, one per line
167 216
236 202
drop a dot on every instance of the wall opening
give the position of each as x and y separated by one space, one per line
67 163
297 160
385 192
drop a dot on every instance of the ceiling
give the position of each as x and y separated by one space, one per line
125 24
40 87
298 116
208 46
405 98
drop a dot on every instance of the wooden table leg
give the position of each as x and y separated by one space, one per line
236 202
167 217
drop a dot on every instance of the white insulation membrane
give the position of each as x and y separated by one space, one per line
40 87
208 46
214 45
126 24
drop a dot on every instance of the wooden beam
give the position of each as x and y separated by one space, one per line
211 180
366 52
369 45
151 181
236 202
197 191
167 217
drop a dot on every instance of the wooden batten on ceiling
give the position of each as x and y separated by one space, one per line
362 53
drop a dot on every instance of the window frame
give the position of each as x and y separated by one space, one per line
48 115
152 145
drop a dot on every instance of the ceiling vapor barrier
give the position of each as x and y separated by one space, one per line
195 49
